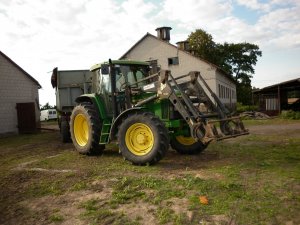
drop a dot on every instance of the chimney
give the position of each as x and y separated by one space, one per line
163 33
183 45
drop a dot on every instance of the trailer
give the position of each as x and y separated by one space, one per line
69 84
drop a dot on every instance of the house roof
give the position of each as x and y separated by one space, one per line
295 83
150 35
19 68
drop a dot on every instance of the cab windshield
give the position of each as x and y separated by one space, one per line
126 75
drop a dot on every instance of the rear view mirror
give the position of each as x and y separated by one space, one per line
104 69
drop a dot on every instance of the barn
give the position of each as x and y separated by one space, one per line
179 60
19 99
277 97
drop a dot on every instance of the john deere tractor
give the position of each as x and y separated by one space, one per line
145 113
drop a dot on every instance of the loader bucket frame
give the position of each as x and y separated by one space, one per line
203 126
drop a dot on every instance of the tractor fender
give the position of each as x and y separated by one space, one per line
85 98
93 99
119 120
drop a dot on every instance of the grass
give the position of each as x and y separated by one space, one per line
56 218
253 179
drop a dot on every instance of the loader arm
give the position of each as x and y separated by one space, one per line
184 95
201 128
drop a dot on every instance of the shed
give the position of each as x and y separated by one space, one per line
275 98
19 98
179 60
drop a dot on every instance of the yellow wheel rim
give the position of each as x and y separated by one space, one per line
81 130
139 139
185 140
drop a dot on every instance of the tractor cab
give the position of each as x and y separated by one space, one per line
124 78
125 73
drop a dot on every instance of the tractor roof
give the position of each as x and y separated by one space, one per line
120 62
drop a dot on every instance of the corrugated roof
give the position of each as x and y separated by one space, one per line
284 83
150 35
20 68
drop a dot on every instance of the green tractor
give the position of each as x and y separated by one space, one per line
145 113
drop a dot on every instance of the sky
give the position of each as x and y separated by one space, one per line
75 34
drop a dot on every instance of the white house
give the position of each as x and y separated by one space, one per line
19 98
159 52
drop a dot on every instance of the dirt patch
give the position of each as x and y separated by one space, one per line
68 205
25 167
275 129
140 210
50 126
52 184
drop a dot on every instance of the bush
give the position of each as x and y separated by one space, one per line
290 114
242 108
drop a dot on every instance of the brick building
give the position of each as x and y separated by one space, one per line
19 98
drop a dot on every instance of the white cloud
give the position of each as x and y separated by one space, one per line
191 14
40 35
254 5
279 20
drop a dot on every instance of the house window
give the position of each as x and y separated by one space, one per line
173 61
223 91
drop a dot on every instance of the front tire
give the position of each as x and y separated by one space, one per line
143 139
187 145
85 128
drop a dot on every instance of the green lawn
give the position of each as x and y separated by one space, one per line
254 179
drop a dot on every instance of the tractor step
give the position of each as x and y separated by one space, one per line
104 138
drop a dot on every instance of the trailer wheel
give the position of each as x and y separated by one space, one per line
143 139
65 131
85 128
187 145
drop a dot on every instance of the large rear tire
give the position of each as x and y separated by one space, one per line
65 131
85 129
187 145
143 139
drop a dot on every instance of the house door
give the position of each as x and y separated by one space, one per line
26 117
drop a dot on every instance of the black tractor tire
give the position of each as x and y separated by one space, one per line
143 139
65 131
187 147
85 129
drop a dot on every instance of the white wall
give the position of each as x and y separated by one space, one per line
229 97
15 87
151 48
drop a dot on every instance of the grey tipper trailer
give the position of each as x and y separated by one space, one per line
69 84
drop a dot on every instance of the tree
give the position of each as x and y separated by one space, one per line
47 106
202 45
238 60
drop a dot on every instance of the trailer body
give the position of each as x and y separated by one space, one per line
69 84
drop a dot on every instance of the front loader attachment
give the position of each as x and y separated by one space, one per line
188 94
